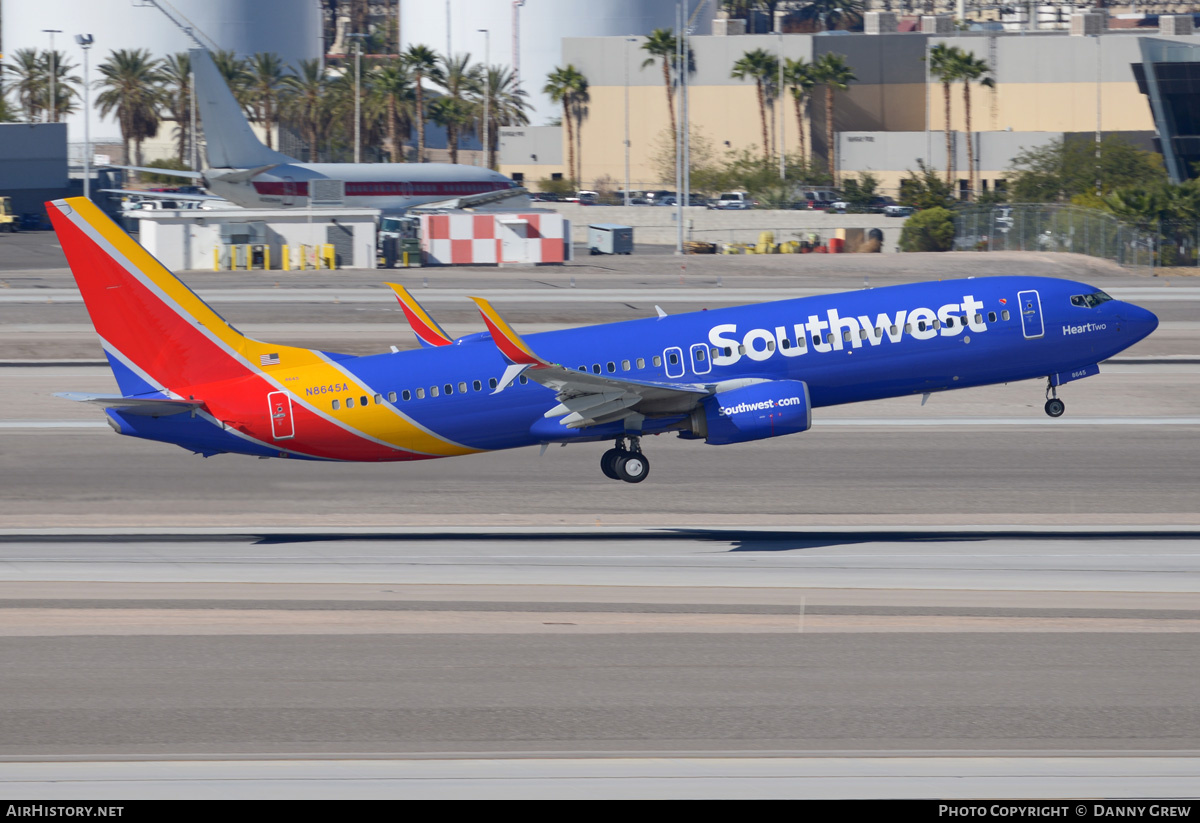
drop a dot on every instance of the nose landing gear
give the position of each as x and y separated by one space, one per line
1054 406
628 464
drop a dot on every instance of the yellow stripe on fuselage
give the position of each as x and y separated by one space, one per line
381 422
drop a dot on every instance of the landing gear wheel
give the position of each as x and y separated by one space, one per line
608 463
633 467
1055 407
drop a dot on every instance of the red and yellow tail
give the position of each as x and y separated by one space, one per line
148 320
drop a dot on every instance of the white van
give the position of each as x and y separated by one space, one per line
734 200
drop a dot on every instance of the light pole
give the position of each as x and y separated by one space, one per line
85 43
487 96
628 40
357 96
51 109
1099 167
782 107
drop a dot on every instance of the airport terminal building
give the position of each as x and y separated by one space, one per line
1047 84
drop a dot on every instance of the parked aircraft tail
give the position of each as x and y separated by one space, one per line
231 142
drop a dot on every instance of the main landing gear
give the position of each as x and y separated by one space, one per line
628 464
1054 406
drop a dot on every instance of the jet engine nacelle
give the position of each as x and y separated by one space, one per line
768 409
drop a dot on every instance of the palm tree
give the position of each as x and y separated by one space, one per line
506 105
832 72
392 82
265 89
969 69
798 77
762 66
422 62
177 91
27 66
569 87
130 81
943 61
662 45
306 103
456 110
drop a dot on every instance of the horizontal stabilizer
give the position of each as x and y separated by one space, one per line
144 406
191 175
425 327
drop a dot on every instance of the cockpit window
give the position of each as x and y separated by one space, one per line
1089 301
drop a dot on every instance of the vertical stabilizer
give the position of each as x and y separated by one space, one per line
231 142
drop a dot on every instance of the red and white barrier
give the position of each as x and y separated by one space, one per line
493 238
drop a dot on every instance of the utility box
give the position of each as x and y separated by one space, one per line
610 238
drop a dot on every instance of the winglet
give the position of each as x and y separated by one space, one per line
508 341
424 326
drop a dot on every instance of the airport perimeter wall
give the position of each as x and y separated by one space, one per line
655 225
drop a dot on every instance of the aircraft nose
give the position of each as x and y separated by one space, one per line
1139 322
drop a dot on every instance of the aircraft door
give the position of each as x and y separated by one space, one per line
289 191
279 407
1031 314
700 362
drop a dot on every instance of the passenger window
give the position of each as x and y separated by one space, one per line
657 360
741 349
477 385
349 402
336 405
524 380
624 365
937 324
362 401
828 337
583 368
406 394
1004 314
716 352
770 345
462 388
433 391
816 339
420 394
641 362
595 368
491 382
612 367
949 322
893 330
920 325
392 397
785 343
862 334
449 388
378 399
846 336
991 317
978 318
729 351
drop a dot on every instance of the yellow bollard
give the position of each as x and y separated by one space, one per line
330 256
284 261
266 257
216 258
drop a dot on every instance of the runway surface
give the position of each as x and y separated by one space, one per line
961 599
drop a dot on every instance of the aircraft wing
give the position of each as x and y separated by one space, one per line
471 201
191 175
144 406
162 195
584 398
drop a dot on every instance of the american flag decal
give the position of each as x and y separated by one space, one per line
268 359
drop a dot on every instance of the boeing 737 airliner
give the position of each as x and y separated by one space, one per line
733 375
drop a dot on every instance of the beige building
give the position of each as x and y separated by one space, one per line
1046 84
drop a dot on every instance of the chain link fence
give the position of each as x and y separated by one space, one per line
1064 228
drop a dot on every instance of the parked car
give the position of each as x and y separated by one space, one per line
896 210
734 200
820 198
